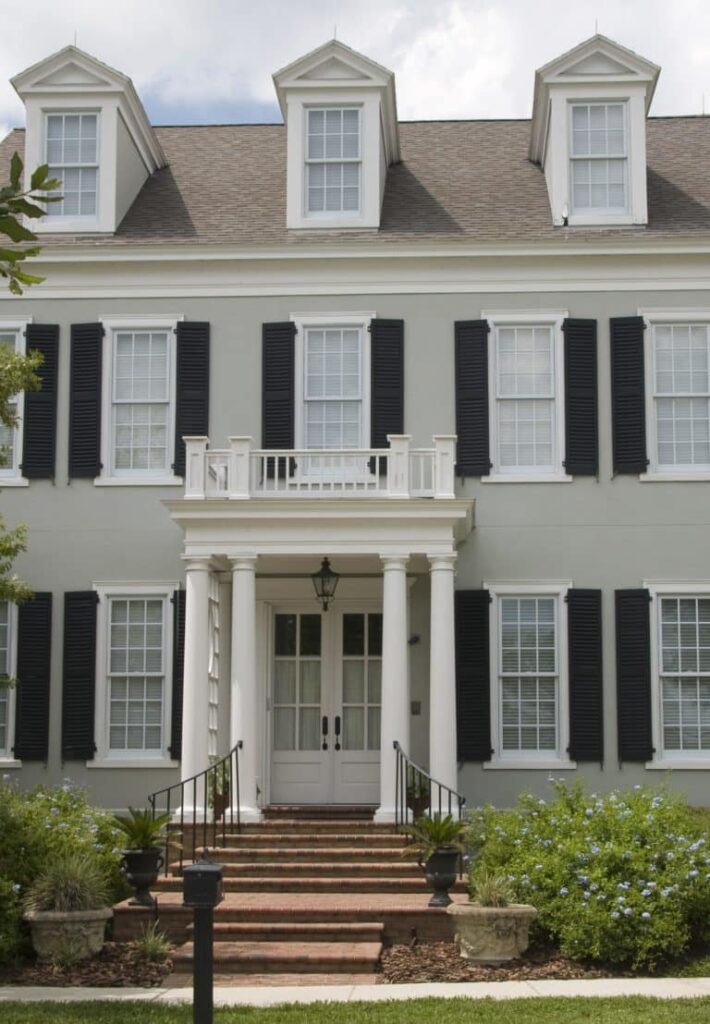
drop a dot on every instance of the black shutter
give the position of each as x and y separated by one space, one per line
581 431
85 400
79 671
192 399
633 674
628 399
473 684
40 414
387 380
34 647
584 625
178 602
473 457
278 376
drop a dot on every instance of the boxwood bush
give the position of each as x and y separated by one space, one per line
35 828
622 877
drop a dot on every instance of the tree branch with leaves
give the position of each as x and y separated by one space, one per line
16 202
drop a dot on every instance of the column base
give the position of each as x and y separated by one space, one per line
247 815
385 816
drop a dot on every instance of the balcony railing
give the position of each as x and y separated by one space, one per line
241 471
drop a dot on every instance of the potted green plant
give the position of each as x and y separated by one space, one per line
438 844
219 790
418 795
66 908
491 929
142 859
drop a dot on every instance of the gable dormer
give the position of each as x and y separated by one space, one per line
589 133
341 129
86 121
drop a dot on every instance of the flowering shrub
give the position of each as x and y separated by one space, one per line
623 877
38 826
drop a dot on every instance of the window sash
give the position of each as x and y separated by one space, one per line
598 157
6 640
525 398
332 388
333 161
135 677
79 174
684 674
680 388
141 424
10 437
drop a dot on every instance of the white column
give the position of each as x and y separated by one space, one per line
442 673
395 679
244 717
195 689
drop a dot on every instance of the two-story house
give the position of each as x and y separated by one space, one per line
460 367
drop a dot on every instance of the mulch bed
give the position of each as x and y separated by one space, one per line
116 966
440 961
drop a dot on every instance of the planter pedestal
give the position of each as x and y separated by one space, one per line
491 935
55 932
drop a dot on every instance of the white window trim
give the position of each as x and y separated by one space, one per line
303 322
528 761
108 477
675 760
7 759
104 758
592 214
522 318
11 476
335 215
651 318
77 222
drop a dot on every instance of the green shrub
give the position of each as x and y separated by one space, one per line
623 877
38 827
69 882
152 945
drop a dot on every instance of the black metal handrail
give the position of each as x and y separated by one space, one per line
218 787
418 794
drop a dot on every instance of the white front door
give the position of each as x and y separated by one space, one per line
325 706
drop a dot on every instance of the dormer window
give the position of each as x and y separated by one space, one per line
72 152
333 160
598 157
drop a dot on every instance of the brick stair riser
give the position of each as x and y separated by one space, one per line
302 825
309 869
235 931
319 855
257 842
305 884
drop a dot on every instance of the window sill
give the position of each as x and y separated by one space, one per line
652 478
552 765
131 481
527 478
13 481
678 765
9 762
138 762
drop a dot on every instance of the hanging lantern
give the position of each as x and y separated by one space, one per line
325 582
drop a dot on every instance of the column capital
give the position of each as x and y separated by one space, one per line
197 563
442 563
243 563
394 561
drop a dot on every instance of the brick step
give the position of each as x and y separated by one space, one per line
290 825
305 884
323 869
296 931
303 854
255 840
328 812
288 957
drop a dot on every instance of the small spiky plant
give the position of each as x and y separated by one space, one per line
489 889
141 829
69 883
152 945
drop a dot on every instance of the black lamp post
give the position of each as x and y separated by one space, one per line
202 889
325 582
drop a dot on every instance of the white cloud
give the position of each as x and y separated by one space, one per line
452 58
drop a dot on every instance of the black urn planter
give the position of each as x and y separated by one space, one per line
141 869
440 872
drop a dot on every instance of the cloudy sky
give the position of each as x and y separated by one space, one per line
212 61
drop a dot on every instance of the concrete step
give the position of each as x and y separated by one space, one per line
287 957
296 931
304 854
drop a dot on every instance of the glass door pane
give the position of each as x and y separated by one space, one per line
362 674
297 682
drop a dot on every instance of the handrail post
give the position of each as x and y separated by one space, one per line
239 467
195 466
398 465
444 459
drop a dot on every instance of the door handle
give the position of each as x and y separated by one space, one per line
324 729
337 732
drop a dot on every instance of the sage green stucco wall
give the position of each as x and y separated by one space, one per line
606 533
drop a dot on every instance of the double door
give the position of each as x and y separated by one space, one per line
326 692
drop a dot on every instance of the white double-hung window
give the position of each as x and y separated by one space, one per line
333 160
72 152
529 679
680 396
12 339
135 668
526 411
332 404
8 627
598 157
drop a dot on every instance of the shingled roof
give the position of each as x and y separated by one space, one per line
458 181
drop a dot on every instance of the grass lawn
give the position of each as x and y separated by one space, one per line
627 1010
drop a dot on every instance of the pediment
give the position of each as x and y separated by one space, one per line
334 61
334 68
66 69
72 74
598 64
598 58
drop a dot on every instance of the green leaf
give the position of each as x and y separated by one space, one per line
15 170
39 176
29 209
28 278
12 255
15 231
14 287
